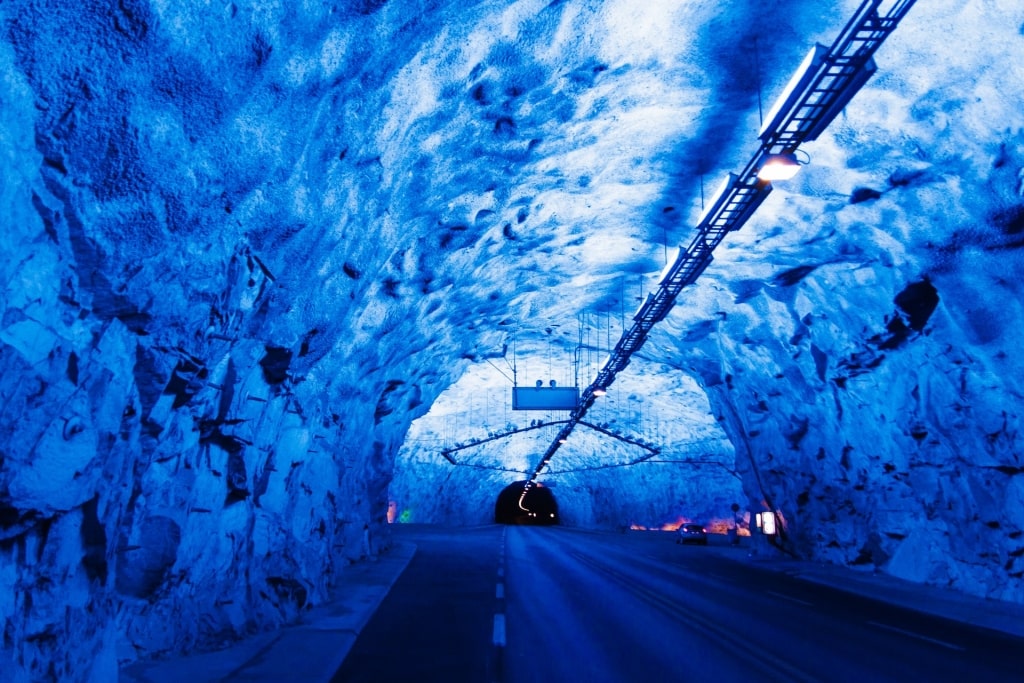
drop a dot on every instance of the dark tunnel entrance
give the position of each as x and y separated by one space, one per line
519 503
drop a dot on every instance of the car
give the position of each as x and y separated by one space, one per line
692 533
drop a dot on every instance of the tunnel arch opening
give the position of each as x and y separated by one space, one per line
523 502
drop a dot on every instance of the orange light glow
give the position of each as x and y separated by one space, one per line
392 511
674 526
718 525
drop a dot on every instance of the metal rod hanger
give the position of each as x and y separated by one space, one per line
649 460
446 453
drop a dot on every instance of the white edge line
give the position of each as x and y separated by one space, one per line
943 643
499 630
790 598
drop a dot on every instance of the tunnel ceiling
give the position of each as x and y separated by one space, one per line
247 245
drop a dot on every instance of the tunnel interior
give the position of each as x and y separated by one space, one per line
269 269
526 503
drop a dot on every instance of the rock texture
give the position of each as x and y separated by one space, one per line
246 245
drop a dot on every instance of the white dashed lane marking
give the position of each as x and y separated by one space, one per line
499 630
498 638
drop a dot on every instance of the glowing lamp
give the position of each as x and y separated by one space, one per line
767 523
599 392
779 167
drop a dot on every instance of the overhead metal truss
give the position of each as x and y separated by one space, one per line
827 80
446 453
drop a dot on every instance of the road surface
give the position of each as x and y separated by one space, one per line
549 604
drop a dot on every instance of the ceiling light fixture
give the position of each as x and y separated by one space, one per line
781 166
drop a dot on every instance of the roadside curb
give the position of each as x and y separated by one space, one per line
311 650
935 601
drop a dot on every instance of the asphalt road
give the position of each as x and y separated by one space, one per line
521 604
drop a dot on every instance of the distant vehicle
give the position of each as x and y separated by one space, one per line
692 533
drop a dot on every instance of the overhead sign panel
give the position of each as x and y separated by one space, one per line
545 398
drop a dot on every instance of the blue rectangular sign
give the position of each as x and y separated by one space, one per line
545 398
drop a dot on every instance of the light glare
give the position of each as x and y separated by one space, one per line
779 167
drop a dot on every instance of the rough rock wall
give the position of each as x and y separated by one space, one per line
191 434
898 447
650 496
232 233
900 454
234 237
861 353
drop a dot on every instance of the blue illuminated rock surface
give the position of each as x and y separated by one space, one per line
246 247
